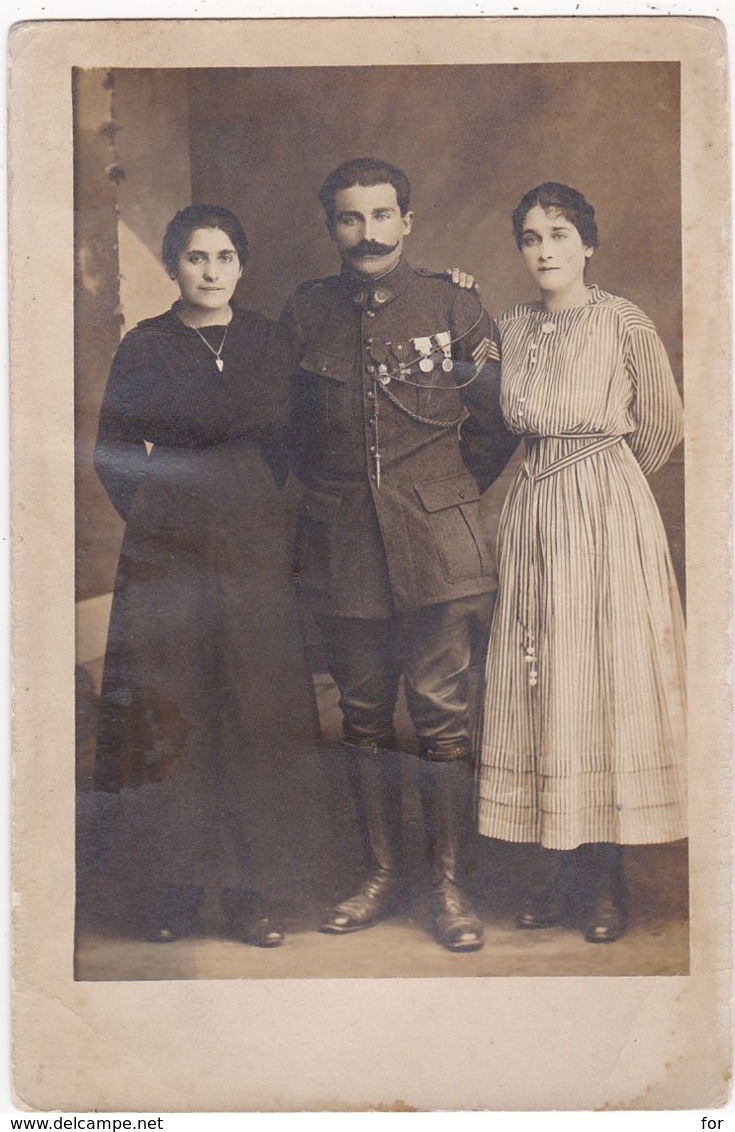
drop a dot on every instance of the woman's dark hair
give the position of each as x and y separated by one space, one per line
365 171
201 216
571 204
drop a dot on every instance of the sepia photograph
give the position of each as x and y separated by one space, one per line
372 562
311 503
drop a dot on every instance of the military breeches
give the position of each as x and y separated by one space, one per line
433 648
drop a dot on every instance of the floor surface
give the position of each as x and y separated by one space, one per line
111 946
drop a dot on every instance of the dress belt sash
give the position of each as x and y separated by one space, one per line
527 595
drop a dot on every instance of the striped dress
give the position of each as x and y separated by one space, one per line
583 736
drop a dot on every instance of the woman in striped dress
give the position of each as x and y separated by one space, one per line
583 737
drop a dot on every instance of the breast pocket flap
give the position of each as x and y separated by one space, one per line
451 492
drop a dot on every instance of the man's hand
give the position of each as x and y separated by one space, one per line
463 279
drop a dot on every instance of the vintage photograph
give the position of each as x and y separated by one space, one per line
290 727
371 535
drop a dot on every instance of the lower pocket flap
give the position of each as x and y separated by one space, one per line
320 506
451 492
327 365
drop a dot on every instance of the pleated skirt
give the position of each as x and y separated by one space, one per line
583 728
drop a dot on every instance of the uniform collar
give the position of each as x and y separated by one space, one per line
372 294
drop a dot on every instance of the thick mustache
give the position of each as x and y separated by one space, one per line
370 247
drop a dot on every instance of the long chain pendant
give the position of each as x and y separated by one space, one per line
219 364
376 446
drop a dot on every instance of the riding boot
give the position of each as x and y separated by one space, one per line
378 783
559 901
445 791
607 917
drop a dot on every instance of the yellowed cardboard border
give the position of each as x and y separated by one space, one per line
455 1044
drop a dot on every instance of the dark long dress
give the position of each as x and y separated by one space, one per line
208 720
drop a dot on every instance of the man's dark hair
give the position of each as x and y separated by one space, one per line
365 171
201 216
565 200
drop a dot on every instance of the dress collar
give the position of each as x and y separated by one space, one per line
177 322
596 295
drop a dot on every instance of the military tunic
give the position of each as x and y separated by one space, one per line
398 430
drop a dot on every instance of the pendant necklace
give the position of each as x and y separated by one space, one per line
217 359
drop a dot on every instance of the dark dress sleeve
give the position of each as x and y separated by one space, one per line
486 442
120 455
302 408
278 449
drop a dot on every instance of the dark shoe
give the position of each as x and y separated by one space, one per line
561 901
379 897
607 918
456 925
249 920
546 910
178 916
607 922
260 931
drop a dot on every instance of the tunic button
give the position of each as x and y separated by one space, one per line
371 395
370 369
370 314
369 341
381 296
323 369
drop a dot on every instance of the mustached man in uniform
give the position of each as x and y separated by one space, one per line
398 431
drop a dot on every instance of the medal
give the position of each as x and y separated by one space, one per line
378 351
424 347
383 375
444 341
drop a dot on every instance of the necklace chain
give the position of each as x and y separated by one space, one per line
217 359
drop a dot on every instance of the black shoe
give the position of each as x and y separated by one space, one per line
249 920
261 931
547 909
607 916
563 900
379 897
178 916
607 922
456 925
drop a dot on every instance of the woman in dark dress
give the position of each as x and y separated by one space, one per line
207 707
